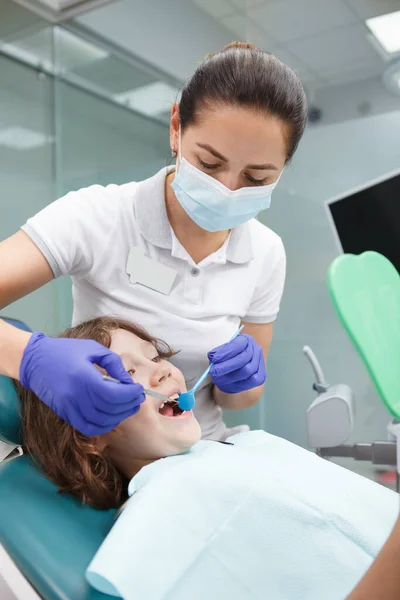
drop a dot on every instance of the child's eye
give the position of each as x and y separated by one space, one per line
157 359
131 372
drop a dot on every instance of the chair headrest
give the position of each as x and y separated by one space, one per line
10 430
365 291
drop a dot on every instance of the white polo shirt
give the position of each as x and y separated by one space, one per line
88 234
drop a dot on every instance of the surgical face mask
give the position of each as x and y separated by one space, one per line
212 205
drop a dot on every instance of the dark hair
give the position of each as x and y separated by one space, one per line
243 75
71 460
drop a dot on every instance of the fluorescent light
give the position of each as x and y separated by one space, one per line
20 138
152 100
386 29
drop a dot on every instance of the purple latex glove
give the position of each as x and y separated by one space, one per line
238 365
60 372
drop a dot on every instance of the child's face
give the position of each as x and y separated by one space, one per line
149 434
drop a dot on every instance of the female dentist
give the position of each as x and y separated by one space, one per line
179 253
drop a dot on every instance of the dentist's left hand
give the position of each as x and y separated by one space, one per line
239 365
61 372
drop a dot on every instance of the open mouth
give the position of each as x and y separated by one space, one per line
171 408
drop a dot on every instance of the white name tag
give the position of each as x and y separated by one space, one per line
148 272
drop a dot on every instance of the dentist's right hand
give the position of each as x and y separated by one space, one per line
61 372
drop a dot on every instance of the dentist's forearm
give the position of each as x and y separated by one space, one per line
237 401
12 345
23 270
382 580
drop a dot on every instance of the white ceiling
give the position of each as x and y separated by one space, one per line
326 41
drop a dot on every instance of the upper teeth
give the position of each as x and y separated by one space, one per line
172 399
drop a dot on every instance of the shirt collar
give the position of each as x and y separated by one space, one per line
151 213
240 247
153 221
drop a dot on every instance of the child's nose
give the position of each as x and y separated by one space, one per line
161 372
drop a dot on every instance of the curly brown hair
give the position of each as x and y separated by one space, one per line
71 460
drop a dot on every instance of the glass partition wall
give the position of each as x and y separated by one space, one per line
72 113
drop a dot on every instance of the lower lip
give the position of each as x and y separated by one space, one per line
187 414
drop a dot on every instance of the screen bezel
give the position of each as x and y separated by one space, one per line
351 192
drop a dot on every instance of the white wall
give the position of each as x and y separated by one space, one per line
355 99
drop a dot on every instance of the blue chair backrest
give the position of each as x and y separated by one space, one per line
10 430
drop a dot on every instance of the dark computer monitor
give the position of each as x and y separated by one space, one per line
369 219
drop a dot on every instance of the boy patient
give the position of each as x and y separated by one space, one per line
97 470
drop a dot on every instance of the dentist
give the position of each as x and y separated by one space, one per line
382 580
180 253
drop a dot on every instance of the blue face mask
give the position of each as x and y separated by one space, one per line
213 206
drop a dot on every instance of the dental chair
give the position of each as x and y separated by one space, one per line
365 291
50 538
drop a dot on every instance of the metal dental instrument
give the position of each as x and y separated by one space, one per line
147 392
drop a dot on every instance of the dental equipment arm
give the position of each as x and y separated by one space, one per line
320 385
330 417
382 580
330 421
378 453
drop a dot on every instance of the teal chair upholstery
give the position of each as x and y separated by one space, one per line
51 538
9 403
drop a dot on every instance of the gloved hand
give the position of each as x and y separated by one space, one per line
238 365
61 372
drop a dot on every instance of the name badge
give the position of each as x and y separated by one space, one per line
145 271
